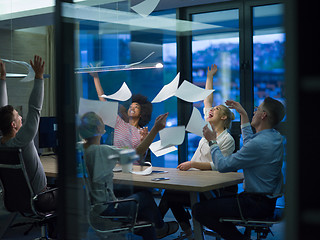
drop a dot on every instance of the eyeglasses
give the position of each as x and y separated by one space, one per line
256 108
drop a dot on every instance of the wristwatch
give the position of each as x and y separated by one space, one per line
211 142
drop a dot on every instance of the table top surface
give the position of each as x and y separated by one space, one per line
192 180
50 165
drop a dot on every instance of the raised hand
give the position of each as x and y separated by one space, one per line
160 122
143 133
212 71
38 66
208 134
3 72
235 105
93 74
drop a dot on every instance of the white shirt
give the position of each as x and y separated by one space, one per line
225 142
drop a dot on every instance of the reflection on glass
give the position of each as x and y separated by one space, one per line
268 52
220 46
268 58
127 51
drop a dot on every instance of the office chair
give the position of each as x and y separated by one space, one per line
262 227
18 196
110 225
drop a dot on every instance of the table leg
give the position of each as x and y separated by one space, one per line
197 228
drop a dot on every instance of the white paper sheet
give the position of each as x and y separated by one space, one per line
146 7
146 171
172 136
123 94
196 123
30 75
168 90
192 93
159 150
108 111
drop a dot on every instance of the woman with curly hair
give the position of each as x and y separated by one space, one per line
130 127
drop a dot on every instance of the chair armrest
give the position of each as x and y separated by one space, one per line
47 191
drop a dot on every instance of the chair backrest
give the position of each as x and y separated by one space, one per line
17 191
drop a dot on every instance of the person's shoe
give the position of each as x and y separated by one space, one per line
186 228
167 229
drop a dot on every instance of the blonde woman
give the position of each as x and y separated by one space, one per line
220 118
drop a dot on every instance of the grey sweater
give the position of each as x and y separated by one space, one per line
24 137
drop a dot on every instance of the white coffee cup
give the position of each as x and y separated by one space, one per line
127 168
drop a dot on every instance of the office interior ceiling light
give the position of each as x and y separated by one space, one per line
133 66
132 20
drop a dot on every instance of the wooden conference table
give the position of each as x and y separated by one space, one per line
192 181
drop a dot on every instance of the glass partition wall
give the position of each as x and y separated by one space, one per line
120 43
134 49
119 51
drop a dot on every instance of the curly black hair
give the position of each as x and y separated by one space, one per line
146 109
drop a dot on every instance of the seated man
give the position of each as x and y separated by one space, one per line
15 134
100 172
260 158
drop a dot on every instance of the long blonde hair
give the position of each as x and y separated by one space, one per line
230 116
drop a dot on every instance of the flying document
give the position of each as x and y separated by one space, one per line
146 7
108 111
172 136
123 94
196 123
192 93
158 150
168 90
30 75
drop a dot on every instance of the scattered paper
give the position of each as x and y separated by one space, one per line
30 75
172 136
146 7
196 123
123 94
159 150
147 171
192 93
168 90
108 111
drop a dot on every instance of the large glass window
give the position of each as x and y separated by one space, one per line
218 45
268 52
100 46
268 58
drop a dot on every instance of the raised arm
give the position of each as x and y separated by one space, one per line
30 126
159 124
3 87
208 101
98 86
237 106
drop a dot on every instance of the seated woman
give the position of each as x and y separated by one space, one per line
100 174
220 118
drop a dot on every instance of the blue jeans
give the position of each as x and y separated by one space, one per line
253 206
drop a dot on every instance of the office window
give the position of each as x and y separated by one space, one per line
100 46
268 52
218 45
